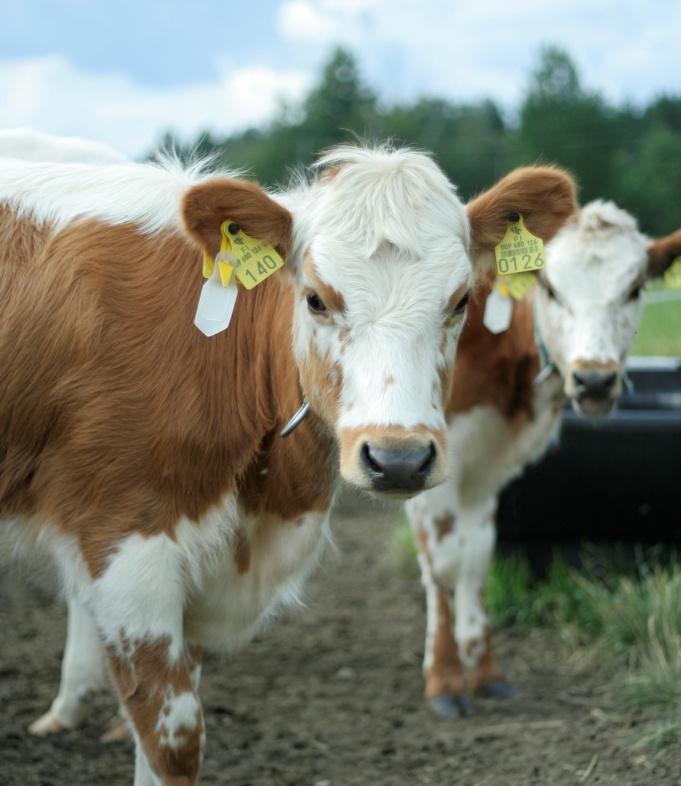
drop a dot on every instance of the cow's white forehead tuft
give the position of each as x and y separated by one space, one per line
365 198
604 216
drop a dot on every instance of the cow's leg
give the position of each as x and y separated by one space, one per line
432 521
138 604
83 671
477 536
164 710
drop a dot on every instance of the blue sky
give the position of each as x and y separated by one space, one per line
123 72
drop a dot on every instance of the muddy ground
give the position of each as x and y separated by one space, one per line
331 696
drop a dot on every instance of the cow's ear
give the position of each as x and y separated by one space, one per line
207 205
662 252
544 196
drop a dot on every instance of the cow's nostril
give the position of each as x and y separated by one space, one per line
369 459
429 460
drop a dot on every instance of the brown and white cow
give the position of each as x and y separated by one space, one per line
503 412
145 458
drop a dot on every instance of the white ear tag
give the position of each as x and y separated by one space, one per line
217 301
498 311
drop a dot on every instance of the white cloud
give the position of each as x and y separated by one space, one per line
50 94
305 21
324 21
466 50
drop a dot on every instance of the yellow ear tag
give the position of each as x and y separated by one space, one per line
519 285
519 251
672 275
255 259
208 265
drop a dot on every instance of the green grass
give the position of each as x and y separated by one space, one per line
660 329
618 616
624 623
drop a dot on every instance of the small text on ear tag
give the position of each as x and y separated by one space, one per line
672 275
519 251
255 259
498 309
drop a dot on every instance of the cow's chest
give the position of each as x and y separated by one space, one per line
263 567
491 449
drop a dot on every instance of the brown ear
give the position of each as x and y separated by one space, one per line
205 206
661 253
544 196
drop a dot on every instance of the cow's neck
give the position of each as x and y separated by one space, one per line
290 476
495 370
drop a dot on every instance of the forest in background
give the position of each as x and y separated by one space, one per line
629 154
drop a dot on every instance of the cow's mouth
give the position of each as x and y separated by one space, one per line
593 406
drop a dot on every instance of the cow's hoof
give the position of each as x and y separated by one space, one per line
117 730
450 707
497 689
47 724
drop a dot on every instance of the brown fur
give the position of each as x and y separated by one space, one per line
145 679
332 298
444 525
242 551
662 252
496 370
544 196
486 670
95 305
206 206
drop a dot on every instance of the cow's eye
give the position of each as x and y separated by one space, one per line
461 305
456 311
635 293
315 303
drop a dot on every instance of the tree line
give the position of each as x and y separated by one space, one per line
628 154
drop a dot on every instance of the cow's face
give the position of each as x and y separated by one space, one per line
376 328
382 255
590 302
383 280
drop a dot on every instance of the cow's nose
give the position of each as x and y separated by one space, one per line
399 469
594 384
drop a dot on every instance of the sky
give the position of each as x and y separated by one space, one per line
124 72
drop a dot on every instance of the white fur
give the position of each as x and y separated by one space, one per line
593 265
231 608
37 146
180 712
147 195
83 671
389 233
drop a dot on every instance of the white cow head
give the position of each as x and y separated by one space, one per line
382 257
590 301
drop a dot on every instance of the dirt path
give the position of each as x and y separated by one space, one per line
331 696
